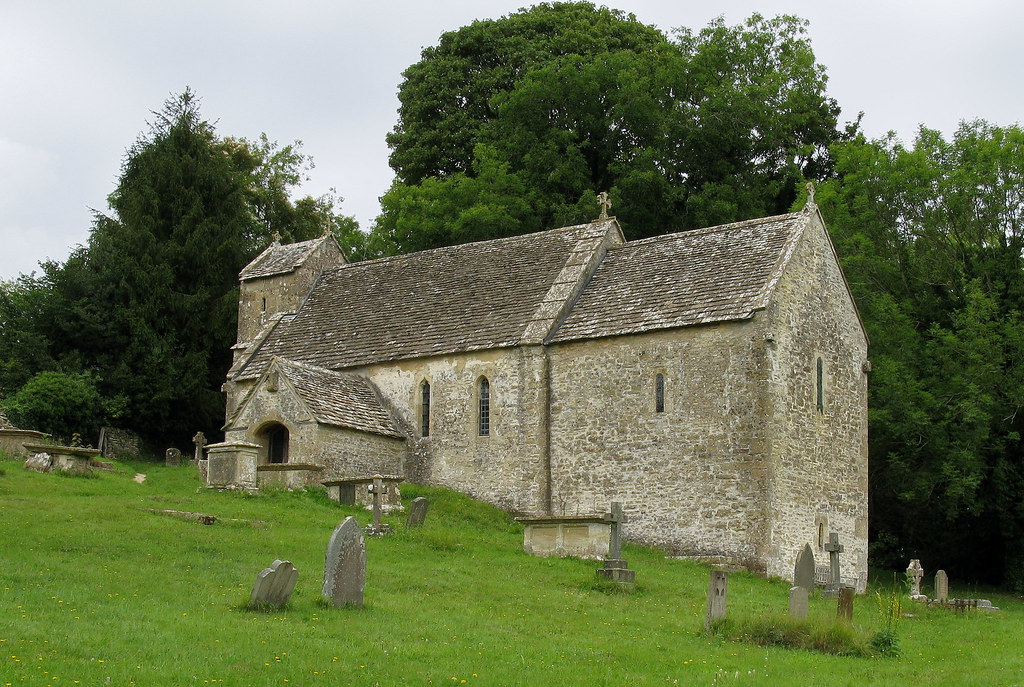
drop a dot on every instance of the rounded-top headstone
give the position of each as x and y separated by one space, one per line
345 567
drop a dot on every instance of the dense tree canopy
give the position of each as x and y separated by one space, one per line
148 307
931 239
514 125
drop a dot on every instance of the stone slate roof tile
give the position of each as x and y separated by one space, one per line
457 298
693 277
278 259
339 398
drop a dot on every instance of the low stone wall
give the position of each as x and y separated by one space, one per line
581 536
288 475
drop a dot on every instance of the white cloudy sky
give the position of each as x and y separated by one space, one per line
78 81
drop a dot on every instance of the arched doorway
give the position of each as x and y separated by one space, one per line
274 438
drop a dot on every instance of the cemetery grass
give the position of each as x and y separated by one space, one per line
97 589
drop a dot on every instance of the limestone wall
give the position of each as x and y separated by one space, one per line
259 299
819 459
344 452
691 478
504 468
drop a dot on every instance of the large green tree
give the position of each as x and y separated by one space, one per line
148 307
931 239
515 124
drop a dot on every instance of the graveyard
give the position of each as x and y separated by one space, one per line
114 578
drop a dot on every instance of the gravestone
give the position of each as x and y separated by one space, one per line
172 457
914 575
345 567
615 568
803 571
200 441
798 598
378 489
274 585
941 586
417 512
834 548
718 588
844 610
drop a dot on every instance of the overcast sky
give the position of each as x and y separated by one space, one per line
80 79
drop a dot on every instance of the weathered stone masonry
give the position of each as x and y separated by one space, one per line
571 328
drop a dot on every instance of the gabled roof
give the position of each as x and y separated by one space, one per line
278 259
473 296
333 398
694 277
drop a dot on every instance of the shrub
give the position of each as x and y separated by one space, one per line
57 403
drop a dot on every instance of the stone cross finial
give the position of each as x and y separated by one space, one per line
810 193
275 238
605 202
616 518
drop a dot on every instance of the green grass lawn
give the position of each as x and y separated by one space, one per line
97 590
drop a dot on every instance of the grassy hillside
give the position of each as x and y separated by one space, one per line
95 589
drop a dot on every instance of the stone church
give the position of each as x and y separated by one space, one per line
713 381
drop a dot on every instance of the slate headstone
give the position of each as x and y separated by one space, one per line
844 608
274 585
941 585
417 512
345 567
798 597
803 571
718 589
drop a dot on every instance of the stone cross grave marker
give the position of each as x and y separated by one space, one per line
345 567
834 548
378 489
172 457
941 585
718 588
615 568
844 609
200 441
914 574
417 512
803 571
274 585
798 597
615 519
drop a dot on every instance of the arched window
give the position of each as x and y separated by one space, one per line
659 393
425 408
820 392
484 414
276 440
